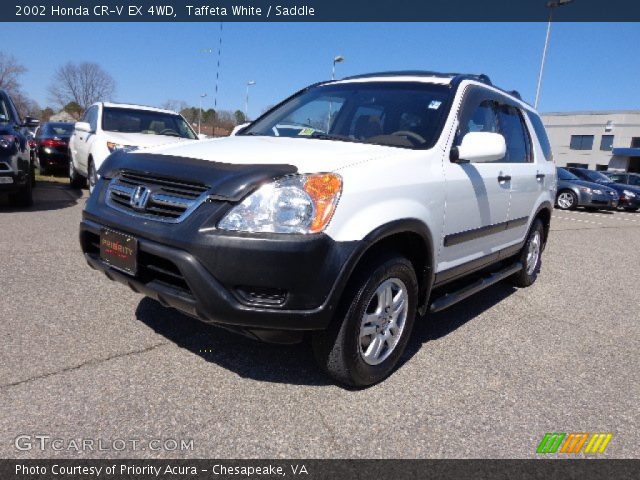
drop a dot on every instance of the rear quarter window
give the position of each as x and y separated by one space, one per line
541 133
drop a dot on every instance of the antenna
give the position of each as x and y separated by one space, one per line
215 95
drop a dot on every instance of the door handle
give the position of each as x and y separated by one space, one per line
540 176
504 178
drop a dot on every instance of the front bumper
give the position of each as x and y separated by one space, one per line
10 180
266 281
594 200
627 202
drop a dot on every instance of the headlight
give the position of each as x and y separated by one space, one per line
116 146
585 189
295 204
629 194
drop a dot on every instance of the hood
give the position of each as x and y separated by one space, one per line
144 140
307 155
584 183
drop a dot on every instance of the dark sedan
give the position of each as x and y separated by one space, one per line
574 192
52 146
626 178
629 195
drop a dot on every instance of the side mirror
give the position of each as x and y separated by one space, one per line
31 122
239 128
480 147
82 126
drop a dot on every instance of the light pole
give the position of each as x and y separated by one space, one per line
336 59
200 111
246 101
551 4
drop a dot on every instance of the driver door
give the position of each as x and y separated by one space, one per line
477 194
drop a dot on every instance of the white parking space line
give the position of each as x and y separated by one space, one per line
622 216
577 220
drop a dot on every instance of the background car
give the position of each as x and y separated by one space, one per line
17 169
629 195
573 192
107 127
626 178
52 146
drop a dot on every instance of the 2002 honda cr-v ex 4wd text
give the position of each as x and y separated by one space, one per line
344 212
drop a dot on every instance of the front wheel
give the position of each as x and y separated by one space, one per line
567 200
530 256
370 332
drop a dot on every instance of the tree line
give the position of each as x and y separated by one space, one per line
76 86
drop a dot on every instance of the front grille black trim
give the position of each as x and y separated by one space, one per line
170 201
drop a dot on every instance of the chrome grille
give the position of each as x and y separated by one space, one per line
156 198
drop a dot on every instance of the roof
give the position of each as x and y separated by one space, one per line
425 76
137 107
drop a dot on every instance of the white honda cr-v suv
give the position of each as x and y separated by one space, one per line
107 127
345 212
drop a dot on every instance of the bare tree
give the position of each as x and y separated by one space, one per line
175 105
10 71
83 83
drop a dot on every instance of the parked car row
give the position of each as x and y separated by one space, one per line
580 187
17 168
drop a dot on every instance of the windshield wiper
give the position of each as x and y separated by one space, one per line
329 136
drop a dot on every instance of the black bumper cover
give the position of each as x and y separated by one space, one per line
309 271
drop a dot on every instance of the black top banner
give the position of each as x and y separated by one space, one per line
319 11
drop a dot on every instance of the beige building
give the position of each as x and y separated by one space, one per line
608 140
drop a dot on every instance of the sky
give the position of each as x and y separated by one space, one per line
589 66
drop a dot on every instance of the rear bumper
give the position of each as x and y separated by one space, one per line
52 159
246 283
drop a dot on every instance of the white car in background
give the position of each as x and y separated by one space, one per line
106 127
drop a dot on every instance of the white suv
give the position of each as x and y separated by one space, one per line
344 212
107 127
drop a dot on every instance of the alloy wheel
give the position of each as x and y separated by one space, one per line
383 321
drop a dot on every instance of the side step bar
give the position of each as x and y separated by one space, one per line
452 298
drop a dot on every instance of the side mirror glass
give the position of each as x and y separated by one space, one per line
480 147
82 126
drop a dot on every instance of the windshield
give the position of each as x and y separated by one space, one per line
565 175
597 176
398 114
125 120
59 129
4 111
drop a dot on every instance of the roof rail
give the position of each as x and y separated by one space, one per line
421 73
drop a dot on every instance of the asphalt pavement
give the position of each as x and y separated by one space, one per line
85 358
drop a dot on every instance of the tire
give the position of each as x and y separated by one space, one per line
359 352
633 209
33 175
530 256
75 179
23 197
92 176
566 200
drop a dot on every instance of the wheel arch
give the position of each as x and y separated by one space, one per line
544 213
408 237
